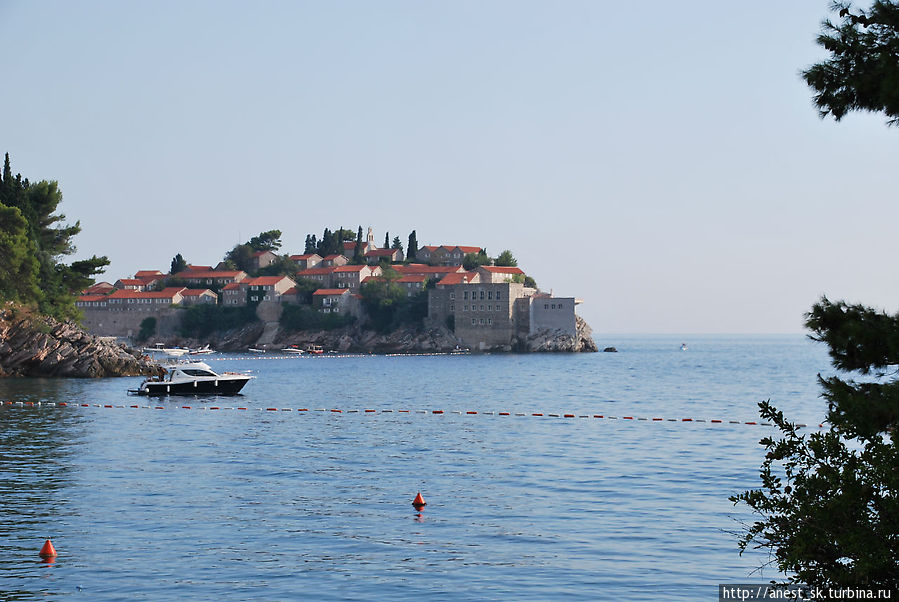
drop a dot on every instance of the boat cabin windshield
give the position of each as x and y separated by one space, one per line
196 372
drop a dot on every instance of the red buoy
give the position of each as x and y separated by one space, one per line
419 502
48 551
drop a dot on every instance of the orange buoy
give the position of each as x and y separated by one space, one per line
419 502
48 551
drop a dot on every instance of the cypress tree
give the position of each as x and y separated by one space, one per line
387 240
357 252
412 249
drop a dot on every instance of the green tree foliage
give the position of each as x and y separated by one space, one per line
305 287
829 502
283 265
473 260
386 240
327 245
397 243
506 259
388 305
357 251
54 287
178 264
18 266
413 246
862 73
266 241
241 257
303 317
147 329
309 249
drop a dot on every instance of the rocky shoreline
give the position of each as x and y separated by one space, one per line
35 345
354 339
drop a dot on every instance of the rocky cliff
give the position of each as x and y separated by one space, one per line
556 341
34 345
354 339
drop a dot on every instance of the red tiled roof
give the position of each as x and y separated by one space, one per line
330 291
330 257
303 257
264 280
381 252
98 287
261 253
199 268
413 278
430 248
195 292
316 271
457 278
231 286
350 268
291 291
131 282
167 293
92 297
433 270
496 269
148 273
208 274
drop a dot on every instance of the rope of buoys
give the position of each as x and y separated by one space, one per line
433 412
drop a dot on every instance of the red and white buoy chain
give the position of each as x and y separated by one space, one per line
35 404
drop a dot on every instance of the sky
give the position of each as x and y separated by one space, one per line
663 161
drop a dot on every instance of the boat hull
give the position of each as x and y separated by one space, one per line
223 386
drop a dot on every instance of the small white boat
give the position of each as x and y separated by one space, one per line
204 350
193 378
293 350
160 349
255 350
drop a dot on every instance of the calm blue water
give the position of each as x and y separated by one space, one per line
154 504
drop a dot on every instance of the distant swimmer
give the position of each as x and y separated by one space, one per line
683 346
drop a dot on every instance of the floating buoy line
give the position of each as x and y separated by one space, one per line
432 412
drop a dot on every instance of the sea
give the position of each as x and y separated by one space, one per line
600 476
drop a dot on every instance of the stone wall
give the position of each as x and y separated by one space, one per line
111 323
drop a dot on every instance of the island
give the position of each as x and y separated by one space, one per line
343 293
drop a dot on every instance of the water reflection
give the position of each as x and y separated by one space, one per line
36 448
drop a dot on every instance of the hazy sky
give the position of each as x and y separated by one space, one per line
661 160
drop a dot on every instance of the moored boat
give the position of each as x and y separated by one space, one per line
193 378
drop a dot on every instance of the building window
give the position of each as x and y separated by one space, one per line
490 320
482 295
482 321
452 308
497 295
474 322
452 295
554 305
490 294
466 308
546 306
560 306
489 308
482 308
465 295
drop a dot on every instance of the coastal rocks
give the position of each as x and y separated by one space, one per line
34 345
353 339
558 341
